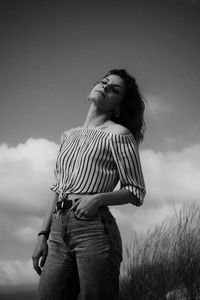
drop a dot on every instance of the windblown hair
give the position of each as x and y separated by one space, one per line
132 106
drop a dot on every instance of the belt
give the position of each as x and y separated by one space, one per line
67 203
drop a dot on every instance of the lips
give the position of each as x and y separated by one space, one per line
101 93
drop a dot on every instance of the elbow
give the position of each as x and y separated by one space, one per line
137 197
137 201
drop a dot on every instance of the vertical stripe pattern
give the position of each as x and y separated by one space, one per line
92 161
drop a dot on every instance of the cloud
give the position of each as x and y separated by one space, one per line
187 137
28 232
172 182
26 174
172 179
172 176
17 272
157 106
140 220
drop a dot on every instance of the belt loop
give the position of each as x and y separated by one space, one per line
62 195
73 201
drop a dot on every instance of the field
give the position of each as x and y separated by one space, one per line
165 262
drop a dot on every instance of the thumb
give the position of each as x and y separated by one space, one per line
43 259
76 203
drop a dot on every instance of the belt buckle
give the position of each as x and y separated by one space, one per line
68 203
65 204
61 202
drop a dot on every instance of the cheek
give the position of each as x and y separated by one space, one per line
116 100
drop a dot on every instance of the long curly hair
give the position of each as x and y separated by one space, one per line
131 114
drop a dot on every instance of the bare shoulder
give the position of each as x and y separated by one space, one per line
119 129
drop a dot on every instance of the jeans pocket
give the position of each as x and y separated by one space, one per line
93 218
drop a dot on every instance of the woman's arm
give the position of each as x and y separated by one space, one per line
88 205
41 249
118 197
47 219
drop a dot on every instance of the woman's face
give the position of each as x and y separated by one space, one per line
108 93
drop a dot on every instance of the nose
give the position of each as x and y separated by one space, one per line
105 87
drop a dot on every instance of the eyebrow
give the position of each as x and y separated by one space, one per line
115 84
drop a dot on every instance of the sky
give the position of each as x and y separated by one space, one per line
51 54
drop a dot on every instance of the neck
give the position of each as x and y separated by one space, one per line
95 118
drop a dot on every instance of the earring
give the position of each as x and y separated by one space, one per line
117 113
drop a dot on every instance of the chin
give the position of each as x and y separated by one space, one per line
95 97
89 98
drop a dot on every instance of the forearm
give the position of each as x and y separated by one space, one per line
119 197
41 249
47 219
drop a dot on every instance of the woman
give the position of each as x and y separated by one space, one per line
85 245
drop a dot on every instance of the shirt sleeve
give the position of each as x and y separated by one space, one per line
126 156
56 186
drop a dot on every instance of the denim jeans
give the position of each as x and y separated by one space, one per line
84 258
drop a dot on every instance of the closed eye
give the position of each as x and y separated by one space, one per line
104 81
116 90
112 86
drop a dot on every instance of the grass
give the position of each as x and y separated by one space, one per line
165 262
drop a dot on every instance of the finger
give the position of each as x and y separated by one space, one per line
81 214
43 259
74 206
36 267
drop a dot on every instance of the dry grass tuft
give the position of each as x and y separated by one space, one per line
165 263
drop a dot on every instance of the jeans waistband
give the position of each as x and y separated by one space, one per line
67 202
70 199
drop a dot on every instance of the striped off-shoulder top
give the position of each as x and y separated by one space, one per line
94 161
